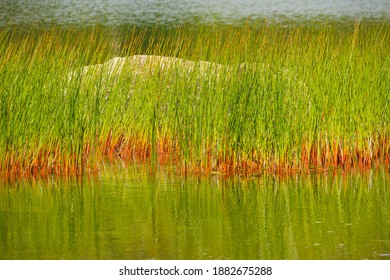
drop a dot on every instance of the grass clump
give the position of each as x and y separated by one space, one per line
216 99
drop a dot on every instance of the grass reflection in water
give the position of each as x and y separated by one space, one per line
131 215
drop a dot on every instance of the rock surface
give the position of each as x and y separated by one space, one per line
150 64
141 66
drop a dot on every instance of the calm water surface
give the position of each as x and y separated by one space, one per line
151 12
127 214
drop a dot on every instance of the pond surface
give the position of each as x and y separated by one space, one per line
127 214
152 12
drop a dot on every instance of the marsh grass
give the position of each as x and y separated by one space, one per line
284 100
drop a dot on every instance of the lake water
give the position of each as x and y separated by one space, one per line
127 214
152 12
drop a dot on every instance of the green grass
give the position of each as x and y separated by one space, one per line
289 99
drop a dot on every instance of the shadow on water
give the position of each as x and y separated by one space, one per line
127 214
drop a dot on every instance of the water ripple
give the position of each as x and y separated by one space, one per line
151 12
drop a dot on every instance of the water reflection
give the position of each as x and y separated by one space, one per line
133 216
152 12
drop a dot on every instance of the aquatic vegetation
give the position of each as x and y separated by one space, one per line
237 99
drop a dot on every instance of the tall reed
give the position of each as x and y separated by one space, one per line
285 99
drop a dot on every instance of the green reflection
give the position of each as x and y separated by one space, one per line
126 214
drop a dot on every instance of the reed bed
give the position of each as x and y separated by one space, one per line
242 99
